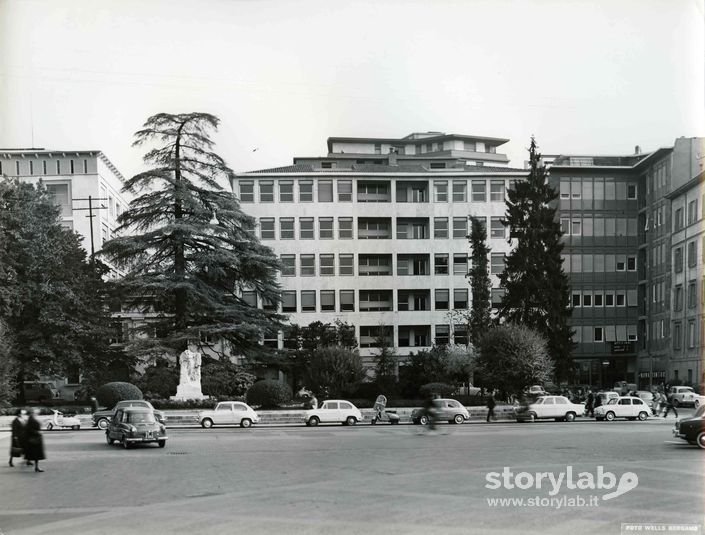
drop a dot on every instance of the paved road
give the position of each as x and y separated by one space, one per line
361 480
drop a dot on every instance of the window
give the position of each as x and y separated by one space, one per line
250 298
497 190
306 228
621 299
631 191
286 191
677 335
575 227
460 334
247 191
587 299
286 228
497 295
327 300
692 254
347 300
58 167
344 190
308 265
565 189
44 167
442 335
441 299
288 265
440 264
470 146
308 301
345 231
479 191
631 298
31 167
692 210
85 167
60 193
678 260
631 263
374 265
73 170
459 191
678 298
305 191
496 263
678 219
460 298
460 227
598 335
266 191
565 225
576 191
345 264
266 226
325 191
460 264
440 228
497 229
441 190
378 148
325 228
289 301
438 165
327 265
575 300
621 264
376 300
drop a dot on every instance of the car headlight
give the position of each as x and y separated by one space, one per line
133 429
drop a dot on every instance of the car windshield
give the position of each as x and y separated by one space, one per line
613 401
140 418
700 411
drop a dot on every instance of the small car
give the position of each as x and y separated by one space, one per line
692 429
333 411
558 408
135 425
448 410
698 401
101 418
682 395
229 413
536 390
606 397
629 407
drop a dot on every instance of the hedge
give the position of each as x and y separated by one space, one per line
110 393
269 394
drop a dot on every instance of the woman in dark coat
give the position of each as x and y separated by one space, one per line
34 449
17 440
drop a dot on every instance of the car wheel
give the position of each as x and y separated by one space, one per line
161 443
458 419
108 439
313 421
423 420
350 420
245 423
570 417
701 440
643 415
103 423
207 423
125 443
50 426
609 416
676 403
532 416
696 403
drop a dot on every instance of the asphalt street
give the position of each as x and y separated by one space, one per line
359 480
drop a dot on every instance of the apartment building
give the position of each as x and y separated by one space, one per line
375 233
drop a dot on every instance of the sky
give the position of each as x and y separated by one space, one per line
590 77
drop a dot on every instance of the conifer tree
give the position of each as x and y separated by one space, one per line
537 289
480 285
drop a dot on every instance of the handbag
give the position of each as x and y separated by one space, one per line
16 451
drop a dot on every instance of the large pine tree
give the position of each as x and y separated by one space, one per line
480 285
188 250
537 290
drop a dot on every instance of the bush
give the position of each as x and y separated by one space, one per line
442 389
223 379
159 381
109 394
269 394
179 404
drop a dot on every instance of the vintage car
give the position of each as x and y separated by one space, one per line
102 418
333 411
445 410
692 429
135 425
698 401
682 395
557 408
629 407
229 413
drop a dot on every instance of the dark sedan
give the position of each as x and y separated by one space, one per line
692 429
135 425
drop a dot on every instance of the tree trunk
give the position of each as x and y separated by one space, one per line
180 318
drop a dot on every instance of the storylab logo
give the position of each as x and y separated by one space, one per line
557 490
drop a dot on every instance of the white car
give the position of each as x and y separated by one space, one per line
682 395
558 408
628 407
536 390
229 413
699 400
333 411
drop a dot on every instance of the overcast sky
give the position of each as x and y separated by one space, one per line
598 76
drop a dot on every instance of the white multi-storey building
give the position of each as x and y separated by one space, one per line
375 233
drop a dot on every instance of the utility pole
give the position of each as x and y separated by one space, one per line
91 215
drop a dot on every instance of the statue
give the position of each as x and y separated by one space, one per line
190 377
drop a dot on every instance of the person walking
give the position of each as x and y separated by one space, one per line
491 403
670 407
17 438
34 448
589 404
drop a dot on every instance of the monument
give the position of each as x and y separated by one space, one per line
190 377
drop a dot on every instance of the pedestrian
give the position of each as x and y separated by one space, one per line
491 403
598 401
670 406
34 444
589 402
17 438
656 403
430 410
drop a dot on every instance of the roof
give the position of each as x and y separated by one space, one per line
50 152
383 168
410 139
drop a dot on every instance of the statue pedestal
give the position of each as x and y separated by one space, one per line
188 391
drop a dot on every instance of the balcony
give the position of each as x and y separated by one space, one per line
374 265
413 228
374 228
413 264
374 191
376 300
414 300
414 336
412 192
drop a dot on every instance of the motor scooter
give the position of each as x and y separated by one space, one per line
59 421
382 415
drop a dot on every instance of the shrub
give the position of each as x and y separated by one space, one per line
268 394
109 394
442 389
159 381
223 379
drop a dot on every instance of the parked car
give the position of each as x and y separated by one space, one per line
645 396
102 418
229 413
698 401
447 410
623 388
333 411
692 429
558 408
682 395
606 397
535 390
629 407
135 425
